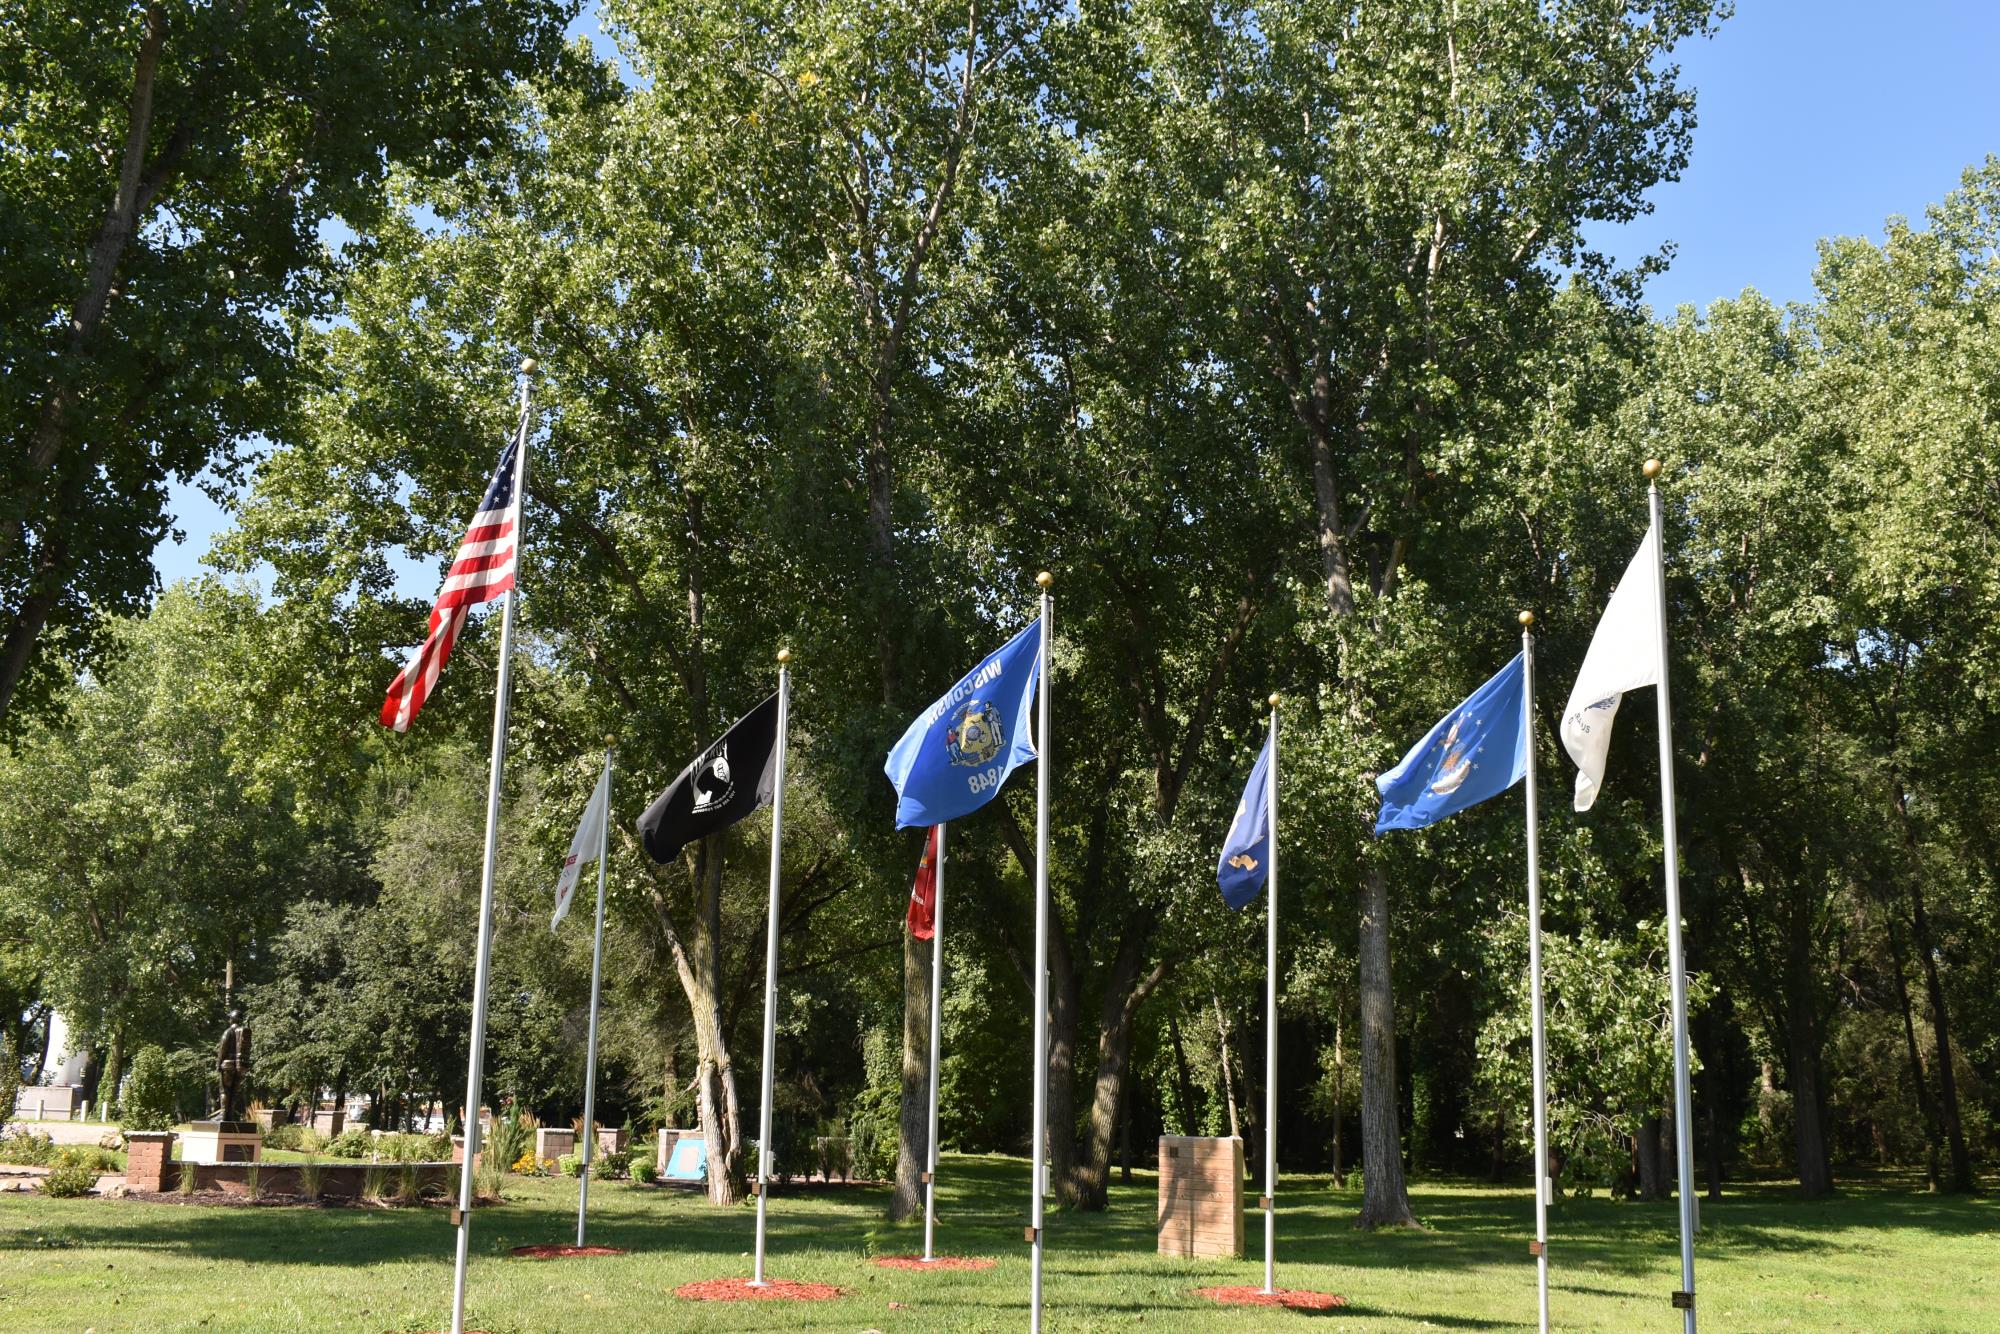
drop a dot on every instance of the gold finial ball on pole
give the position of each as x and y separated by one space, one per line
1652 469
784 656
529 366
1045 578
1527 618
1273 701
610 740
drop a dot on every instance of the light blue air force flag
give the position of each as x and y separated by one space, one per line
959 751
1246 853
1478 750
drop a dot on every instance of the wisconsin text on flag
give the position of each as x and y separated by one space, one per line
482 571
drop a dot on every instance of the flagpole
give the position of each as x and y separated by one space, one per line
937 1001
1270 1201
771 963
596 986
1539 1032
1677 962
482 969
1039 1129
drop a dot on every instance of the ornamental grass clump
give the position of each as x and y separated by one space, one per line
185 1182
312 1178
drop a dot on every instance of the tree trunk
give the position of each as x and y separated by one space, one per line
1125 992
1960 1179
1062 1072
700 972
1808 1106
1183 1080
1918 1079
1228 1067
1647 1151
1385 1200
1339 1092
1920 930
913 1143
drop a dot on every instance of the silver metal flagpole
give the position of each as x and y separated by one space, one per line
481 969
1041 1064
1683 1098
1270 1200
596 986
1539 1033
937 1001
771 962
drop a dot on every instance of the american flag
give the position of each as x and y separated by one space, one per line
482 571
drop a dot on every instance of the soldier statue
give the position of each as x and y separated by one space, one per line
232 1063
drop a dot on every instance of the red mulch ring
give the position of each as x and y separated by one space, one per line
1295 1299
740 1290
935 1262
560 1252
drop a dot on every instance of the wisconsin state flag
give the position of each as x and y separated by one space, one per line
923 894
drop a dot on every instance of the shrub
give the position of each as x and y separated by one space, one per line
28 1148
286 1136
73 1173
570 1165
607 1167
150 1090
356 1143
645 1171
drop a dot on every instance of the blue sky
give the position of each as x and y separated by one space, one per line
1817 118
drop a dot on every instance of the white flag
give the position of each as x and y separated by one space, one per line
1624 655
583 848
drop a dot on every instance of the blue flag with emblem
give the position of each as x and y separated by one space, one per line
954 757
1246 852
1478 750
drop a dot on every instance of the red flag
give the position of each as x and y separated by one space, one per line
923 894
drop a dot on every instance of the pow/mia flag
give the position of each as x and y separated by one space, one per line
733 777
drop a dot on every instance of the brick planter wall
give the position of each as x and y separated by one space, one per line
147 1154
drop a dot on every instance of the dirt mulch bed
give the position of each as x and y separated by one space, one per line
740 1290
935 1262
1295 1299
563 1252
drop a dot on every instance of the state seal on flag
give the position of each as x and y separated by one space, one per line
975 736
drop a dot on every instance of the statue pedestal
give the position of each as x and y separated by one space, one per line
221 1142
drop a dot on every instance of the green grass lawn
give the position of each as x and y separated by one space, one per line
1880 1258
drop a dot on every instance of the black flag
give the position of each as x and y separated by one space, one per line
726 782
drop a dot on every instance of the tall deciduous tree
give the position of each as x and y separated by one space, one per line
170 167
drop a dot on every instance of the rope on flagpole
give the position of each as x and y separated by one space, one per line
1270 1201
771 962
1677 961
937 1001
1039 1130
1538 1033
482 968
596 989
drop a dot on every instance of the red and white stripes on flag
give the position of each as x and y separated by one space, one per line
482 571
